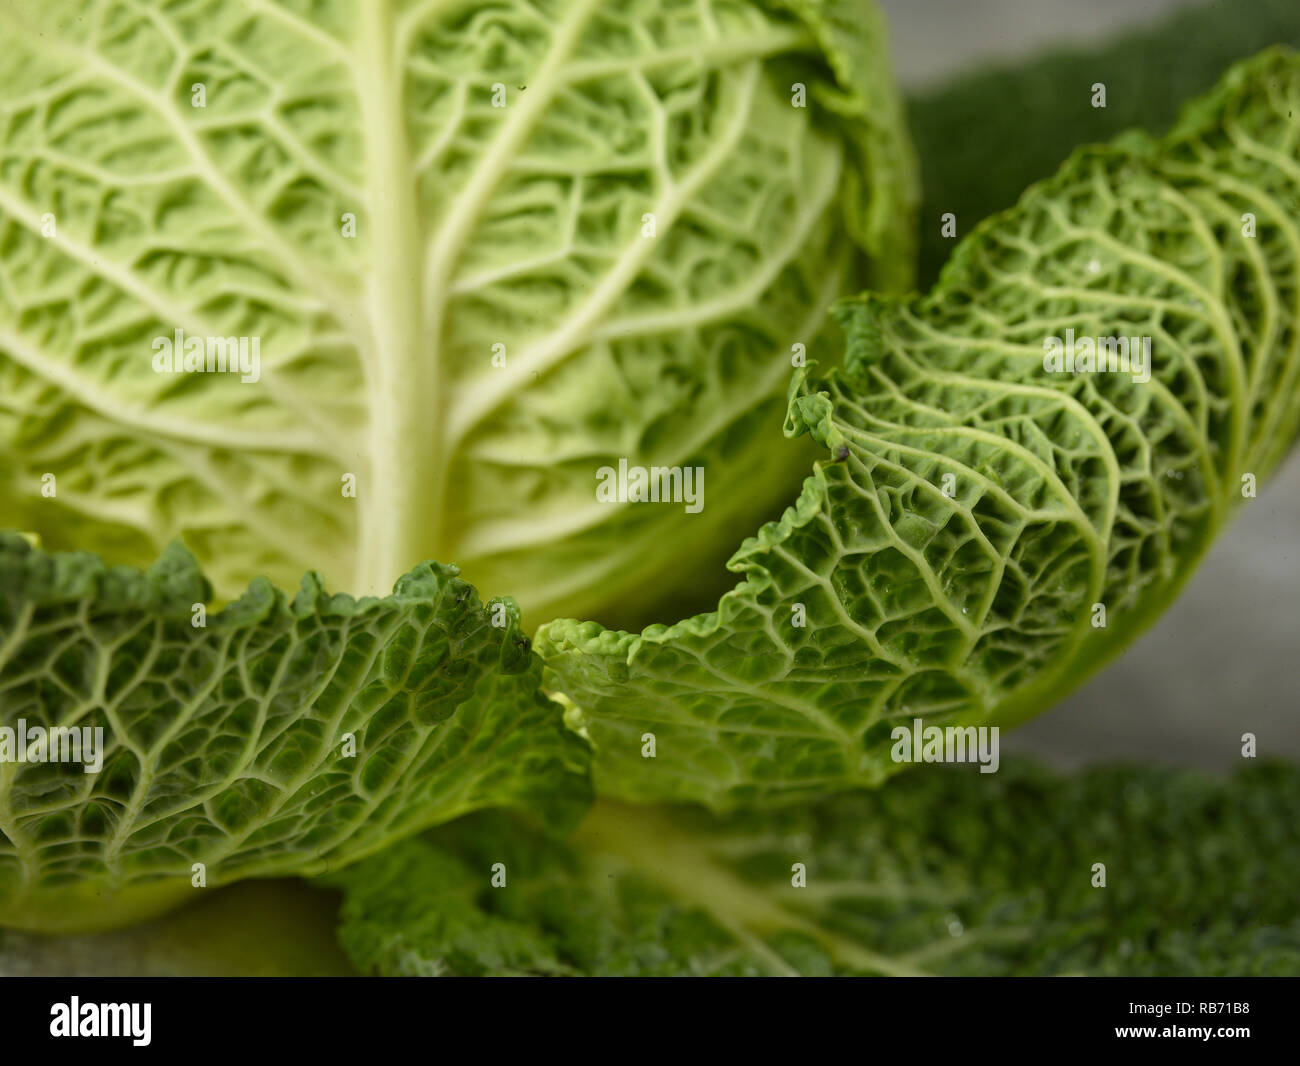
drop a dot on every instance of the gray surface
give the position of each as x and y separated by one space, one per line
936 38
1226 658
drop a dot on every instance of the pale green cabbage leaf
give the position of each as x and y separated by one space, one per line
502 323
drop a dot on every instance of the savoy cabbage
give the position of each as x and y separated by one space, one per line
487 252
484 251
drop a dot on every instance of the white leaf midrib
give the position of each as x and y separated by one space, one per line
398 510
402 519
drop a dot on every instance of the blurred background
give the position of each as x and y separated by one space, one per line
935 39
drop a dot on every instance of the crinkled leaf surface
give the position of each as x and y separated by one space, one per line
951 559
940 873
435 218
227 744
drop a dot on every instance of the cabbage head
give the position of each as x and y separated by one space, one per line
481 250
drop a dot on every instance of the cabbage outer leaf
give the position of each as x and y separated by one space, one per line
940 873
227 743
1069 491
